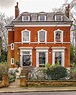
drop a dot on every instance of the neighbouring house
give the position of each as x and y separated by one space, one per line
40 38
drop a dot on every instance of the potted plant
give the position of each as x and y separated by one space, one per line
28 63
17 63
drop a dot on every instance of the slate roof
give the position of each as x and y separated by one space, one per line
50 19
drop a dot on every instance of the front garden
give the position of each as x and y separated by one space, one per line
45 76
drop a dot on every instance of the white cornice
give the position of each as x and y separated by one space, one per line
68 25
41 43
25 47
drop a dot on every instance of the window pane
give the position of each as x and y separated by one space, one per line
26 59
41 59
58 57
58 36
26 36
41 36
25 18
42 18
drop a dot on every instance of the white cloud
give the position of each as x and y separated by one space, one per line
7 3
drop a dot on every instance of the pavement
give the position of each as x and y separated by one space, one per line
15 87
35 89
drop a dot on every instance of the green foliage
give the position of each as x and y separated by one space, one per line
58 73
72 51
4 68
47 65
3 57
73 72
17 63
11 78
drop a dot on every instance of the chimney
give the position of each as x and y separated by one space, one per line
67 10
16 10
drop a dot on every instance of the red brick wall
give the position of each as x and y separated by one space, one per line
16 37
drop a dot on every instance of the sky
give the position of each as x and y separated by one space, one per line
7 6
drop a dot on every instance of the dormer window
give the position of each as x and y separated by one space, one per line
42 34
26 18
58 36
42 18
58 17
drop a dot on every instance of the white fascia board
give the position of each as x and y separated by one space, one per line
42 25
25 47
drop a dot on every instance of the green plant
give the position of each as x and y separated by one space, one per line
58 72
47 65
3 56
28 63
4 68
17 63
11 78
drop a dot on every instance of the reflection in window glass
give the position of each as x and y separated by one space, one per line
26 36
42 59
42 36
58 57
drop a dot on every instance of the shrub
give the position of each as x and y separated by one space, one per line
47 65
11 78
73 72
58 72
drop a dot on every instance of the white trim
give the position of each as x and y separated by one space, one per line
29 36
41 48
40 19
25 47
61 36
45 36
58 49
42 42
43 25
12 61
21 53
9 29
12 46
37 55
23 18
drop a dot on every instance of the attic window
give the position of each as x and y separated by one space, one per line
25 18
58 17
42 18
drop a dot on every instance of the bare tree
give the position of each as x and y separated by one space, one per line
3 31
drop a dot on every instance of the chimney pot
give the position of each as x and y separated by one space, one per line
67 10
16 10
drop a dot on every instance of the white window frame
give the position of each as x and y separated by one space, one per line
61 18
61 36
40 19
12 61
42 49
58 49
12 46
45 36
25 49
29 36
23 18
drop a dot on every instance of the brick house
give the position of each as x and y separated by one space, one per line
40 38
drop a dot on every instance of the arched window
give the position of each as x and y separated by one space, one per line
25 35
42 34
58 36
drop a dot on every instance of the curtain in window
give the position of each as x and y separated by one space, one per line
42 36
26 36
58 57
58 36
